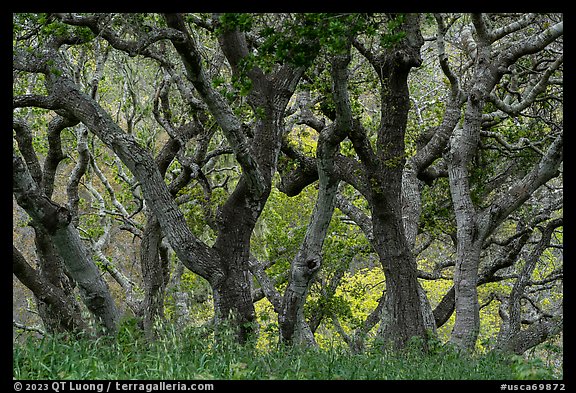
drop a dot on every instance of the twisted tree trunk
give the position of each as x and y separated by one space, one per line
56 221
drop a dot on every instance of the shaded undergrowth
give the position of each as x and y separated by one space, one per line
192 356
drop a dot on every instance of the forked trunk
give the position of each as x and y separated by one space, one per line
233 294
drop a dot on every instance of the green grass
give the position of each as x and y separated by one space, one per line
187 356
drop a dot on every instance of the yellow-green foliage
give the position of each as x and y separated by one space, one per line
354 299
489 318
305 139
268 320
281 227
361 292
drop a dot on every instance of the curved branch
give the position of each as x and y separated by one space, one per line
547 168
531 44
528 99
519 24
97 24
197 256
308 259
56 220
24 139
223 114
47 293
443 57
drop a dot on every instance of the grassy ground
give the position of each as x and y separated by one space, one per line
187 356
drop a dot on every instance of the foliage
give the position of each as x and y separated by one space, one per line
281 228
192 355
350 282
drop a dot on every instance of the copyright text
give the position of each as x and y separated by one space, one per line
110 386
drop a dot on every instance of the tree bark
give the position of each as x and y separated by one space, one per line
56 221
51 269
233 295
308 260
155 275
535 334
195 255
257 157
59 314
402 315
378 176
512 337
473 227
50 262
